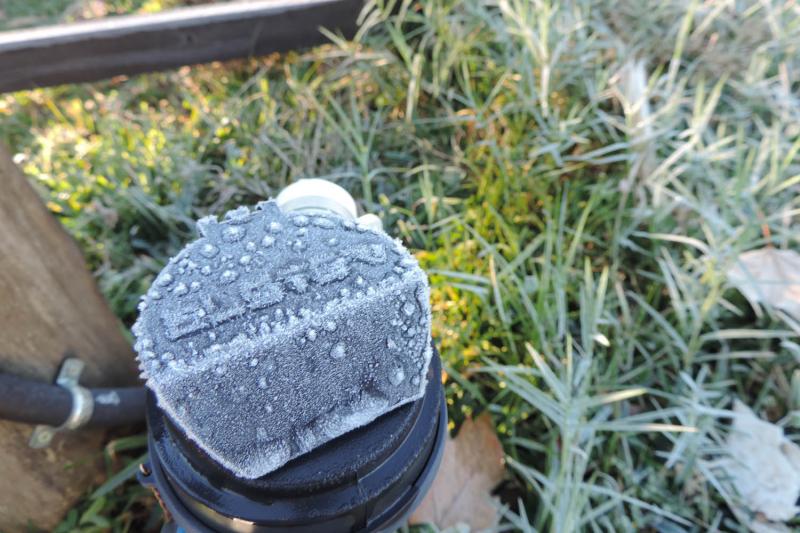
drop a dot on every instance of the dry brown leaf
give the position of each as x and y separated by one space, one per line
769 276
472 465
764 466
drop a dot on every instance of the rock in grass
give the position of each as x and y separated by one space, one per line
274 333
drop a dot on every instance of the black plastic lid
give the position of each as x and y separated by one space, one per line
365 480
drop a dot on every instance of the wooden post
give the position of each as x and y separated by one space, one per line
50 307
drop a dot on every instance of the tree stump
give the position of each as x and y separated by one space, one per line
50 308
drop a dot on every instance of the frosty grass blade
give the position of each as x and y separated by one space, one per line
277 332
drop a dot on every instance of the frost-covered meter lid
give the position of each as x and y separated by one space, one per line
279 330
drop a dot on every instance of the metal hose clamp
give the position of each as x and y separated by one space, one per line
82 404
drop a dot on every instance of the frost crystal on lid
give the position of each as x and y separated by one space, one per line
276 332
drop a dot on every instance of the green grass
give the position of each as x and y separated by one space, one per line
575 177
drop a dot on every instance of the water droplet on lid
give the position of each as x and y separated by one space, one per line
298 246
324 223
370 291
300 220
253 362
262 382
155 295
359 280
415 380
332 241
302 232
397 376
204 224
164 279
344 292
146 342
330 325
245 259
268 241
167 356
311 334
238 214
220 370
233 233
229 276
408 308
279 314
212 336
206 270
268 408
142 306
390 344
201 312
275 227
209 250
180 289
338 351
147 354
250 246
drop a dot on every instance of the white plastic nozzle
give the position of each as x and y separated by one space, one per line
316 194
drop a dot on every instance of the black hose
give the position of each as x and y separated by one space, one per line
117 407
34 402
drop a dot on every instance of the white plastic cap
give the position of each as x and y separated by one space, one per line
317 195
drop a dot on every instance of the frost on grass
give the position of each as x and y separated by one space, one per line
276 332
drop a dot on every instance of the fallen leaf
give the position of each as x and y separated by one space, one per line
764 467
769 276
472 465
760 526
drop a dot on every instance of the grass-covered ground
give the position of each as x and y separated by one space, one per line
576 177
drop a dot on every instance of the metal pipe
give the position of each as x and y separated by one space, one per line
131 44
